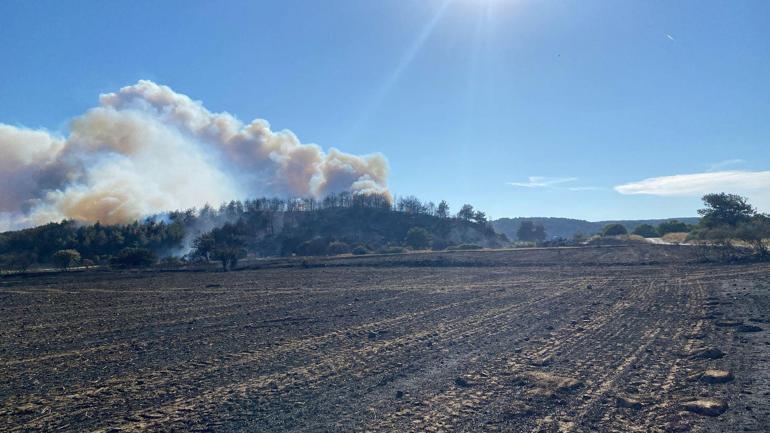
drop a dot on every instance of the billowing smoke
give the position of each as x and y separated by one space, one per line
147 149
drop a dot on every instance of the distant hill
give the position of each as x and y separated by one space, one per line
567 227
263 227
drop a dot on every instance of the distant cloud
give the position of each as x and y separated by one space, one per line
543 182
671 38
726 163
553 183
754 184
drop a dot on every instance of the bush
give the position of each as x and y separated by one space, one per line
392 250
465 247
672 226
614 230
133 258
360 250
337 247
417 238
88 263
646 231
171 262
313 247
64 259
17 262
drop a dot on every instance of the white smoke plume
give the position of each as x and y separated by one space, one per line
147 149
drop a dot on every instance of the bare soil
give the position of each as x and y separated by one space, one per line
638 338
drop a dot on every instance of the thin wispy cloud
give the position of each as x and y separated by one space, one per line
585 188
553 183
718 166
671 38
754 184
543 182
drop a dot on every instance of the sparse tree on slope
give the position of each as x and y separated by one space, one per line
466 212
443 210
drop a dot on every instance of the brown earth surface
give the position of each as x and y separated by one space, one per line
574 339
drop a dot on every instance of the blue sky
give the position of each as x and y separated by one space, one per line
520 107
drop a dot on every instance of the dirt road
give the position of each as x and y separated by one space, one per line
568 340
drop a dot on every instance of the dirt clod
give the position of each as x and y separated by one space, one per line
706 353
717 376
707 407
628 402
748 328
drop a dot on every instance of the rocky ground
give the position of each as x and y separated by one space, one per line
588 339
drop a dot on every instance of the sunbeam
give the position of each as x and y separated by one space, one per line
403 64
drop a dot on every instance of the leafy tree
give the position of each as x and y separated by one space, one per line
646 231
66 258
725 209
418 238
466 212
530 232
614 230
224 244
443 210
672 226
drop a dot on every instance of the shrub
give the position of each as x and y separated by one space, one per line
360 250
171 262
133 258
64 259
646 231
313 247
417 238
614 230
17 262
392 250
337 247
672 226
465 247
88 263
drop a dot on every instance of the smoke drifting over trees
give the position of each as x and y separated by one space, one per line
147 149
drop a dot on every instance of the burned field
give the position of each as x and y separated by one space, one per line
594 339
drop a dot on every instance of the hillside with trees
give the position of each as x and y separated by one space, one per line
567 228
340 223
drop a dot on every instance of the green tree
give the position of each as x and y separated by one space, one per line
417 238
65 259
646 231
725 209
224 244
614 230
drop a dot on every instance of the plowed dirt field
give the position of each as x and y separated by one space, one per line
587 339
